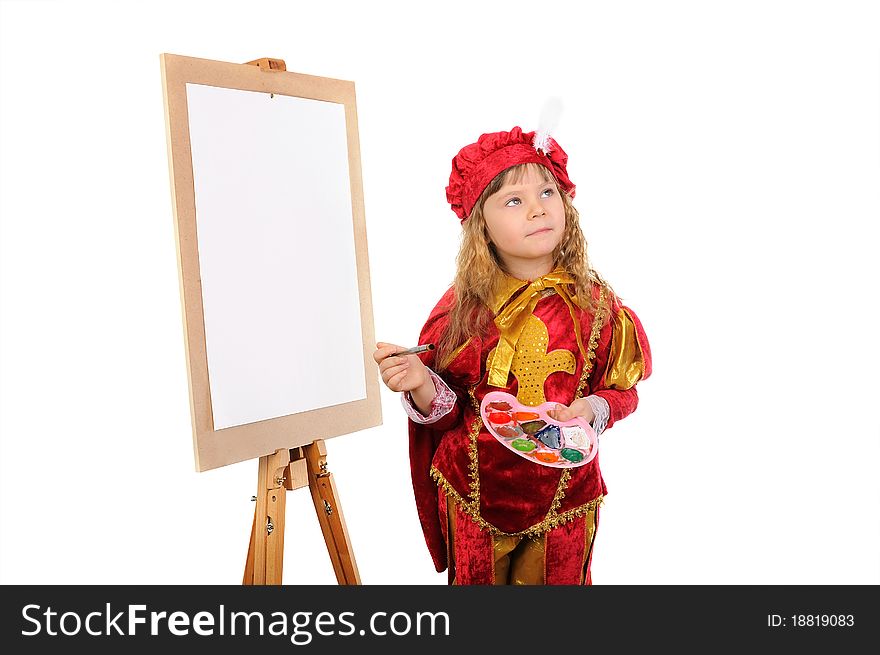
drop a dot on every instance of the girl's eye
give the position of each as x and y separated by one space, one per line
548 191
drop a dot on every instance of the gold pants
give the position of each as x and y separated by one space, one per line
518 560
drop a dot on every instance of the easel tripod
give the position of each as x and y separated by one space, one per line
289 469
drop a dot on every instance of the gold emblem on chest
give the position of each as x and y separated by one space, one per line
532 364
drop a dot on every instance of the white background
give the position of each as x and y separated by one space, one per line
727 162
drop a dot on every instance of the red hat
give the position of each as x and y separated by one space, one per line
477 164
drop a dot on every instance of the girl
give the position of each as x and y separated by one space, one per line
526 315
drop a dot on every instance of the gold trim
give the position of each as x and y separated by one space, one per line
560 493
589 539
472 510
473 451
596 328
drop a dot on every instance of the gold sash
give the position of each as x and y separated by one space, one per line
512 319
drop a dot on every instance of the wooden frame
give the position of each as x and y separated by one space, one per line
219 447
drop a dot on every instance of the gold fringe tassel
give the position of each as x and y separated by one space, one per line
548 523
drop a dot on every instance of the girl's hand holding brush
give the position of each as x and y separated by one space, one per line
402 371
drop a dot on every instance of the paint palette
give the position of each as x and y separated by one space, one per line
530 433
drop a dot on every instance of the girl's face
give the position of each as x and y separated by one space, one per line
526 221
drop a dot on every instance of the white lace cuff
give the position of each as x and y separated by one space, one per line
601 412
442 404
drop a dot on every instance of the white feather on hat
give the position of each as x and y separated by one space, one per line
550 114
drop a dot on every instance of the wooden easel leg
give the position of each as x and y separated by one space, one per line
275 541
265 556
249 563
329 511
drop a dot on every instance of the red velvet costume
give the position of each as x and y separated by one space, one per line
494 491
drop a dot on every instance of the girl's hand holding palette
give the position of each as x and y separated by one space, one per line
531 433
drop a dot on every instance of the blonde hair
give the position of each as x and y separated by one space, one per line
479 269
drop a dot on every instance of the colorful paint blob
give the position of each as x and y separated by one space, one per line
572 455
509 431
533 427
547 456
499 418
550 437
500 406
575 435
525 416
523 445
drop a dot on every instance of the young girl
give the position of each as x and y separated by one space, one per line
526 315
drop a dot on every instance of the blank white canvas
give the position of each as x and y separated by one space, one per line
277 253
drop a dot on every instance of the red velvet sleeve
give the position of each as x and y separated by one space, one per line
431 333
424 441
448 420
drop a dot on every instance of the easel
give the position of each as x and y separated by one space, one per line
287 470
